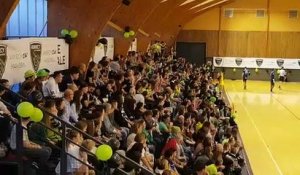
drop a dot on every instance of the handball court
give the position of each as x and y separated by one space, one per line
269 125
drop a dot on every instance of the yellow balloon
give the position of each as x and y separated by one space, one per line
104 152
25 109
73 33
131 33
37 115
126 35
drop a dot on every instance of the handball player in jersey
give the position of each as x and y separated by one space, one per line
272 78
282 76
245 74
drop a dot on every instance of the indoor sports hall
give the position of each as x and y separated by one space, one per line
149 87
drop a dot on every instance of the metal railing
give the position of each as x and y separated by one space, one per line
63 151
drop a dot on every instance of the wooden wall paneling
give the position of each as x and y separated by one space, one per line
87 17
142 42
158 16
284 44
246 44
7 7
212 43
173 23
293 50
132 16
256 46
243 44
233 43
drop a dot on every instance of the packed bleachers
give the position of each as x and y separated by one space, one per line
162 112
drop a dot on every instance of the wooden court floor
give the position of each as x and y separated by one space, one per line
269 125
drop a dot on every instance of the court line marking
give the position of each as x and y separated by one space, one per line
260 135
293 114
248 161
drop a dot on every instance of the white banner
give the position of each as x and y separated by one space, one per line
101 50
264 63
18 56
133 45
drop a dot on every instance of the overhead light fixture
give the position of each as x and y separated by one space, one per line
220 2
163 1
186 2
201 4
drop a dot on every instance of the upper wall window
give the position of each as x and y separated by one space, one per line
28 20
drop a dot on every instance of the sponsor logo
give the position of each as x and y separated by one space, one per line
259 62
35 54
280 62
218 61
3 58
238 61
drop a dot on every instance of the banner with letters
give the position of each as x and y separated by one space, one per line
19 55
264 63
102 50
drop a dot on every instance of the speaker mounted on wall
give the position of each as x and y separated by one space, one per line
126 2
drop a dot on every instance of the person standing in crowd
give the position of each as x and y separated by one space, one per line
282 77
245 74
272 78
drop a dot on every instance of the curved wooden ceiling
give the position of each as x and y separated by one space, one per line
150 19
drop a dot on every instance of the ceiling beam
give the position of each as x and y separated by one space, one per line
87 17
6 10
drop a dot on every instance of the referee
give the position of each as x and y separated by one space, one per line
282 76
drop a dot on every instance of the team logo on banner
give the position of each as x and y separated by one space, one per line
3 58
35 54
218 61
280 63
259 62
238 61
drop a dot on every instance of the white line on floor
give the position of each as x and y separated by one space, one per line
260 135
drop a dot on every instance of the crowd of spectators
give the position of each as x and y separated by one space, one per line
163 112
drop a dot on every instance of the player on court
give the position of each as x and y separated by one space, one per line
272 78
245 74
282 76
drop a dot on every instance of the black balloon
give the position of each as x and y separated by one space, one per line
68 39
102 41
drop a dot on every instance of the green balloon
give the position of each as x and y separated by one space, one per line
212 169
131 33
73 33
25 109
37 115
64 32
158 46
104 152
126 35
213 99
